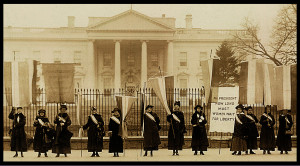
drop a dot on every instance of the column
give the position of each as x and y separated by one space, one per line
144 73
170 58
117 65
90 75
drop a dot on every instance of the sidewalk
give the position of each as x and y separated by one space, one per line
160 155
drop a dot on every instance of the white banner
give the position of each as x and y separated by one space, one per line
223 112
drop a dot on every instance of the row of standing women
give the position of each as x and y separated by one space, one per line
244 136
246 133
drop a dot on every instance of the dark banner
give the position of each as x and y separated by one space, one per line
24 84
243 79
169 82
59 84
294 88
7 75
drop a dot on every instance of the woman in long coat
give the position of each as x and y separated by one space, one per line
63 136
115 140
95 132
41 142
239 142
284 141
199 136
176 129
18 135
252 132
267 136
151 130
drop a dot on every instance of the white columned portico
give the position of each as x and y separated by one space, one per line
117 65
144 74
170 58
91 69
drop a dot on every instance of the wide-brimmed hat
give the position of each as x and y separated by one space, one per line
19 108
149 106
198 106
177 103
63 106
42 111
240 106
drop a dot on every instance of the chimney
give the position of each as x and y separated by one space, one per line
71 21
163 15
188 21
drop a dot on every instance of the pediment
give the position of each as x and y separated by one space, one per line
130 21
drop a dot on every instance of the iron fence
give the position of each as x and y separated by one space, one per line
105 102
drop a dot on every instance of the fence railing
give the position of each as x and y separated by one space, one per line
105 102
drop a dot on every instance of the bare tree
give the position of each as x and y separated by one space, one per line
282 49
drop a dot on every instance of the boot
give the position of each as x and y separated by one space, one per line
251 152
246 152
264 152
16 155
65 154
151 153
97 155
115 154
39 155
201 153
93 155
234 153
177 153
57 155
22 154
195 152
281 152
269 152
46 154
240 153
173 152
286 152
146 153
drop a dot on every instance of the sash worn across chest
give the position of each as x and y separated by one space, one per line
287 120
94 119
238 120
18 119
62 119
250 117
41 122
115 119
150 116
267 116
176 118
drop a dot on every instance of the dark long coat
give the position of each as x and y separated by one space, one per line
63 136
41 143
284 142
176 139
95 134
18 137
239 142
115 141
252 132
267 136
151 132
199 136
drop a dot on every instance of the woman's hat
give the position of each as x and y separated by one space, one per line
116 109
177 103
63 106
248 108
19 108
240 106
149 106
42 111
93 108
199 107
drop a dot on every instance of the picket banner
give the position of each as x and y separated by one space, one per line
223 111
294 88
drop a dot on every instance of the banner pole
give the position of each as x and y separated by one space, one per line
220 144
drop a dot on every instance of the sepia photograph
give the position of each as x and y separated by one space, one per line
180 83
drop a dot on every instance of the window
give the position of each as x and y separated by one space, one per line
154 59
77 57
183 87
57 55
130 60
37 55
107 61
183 59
